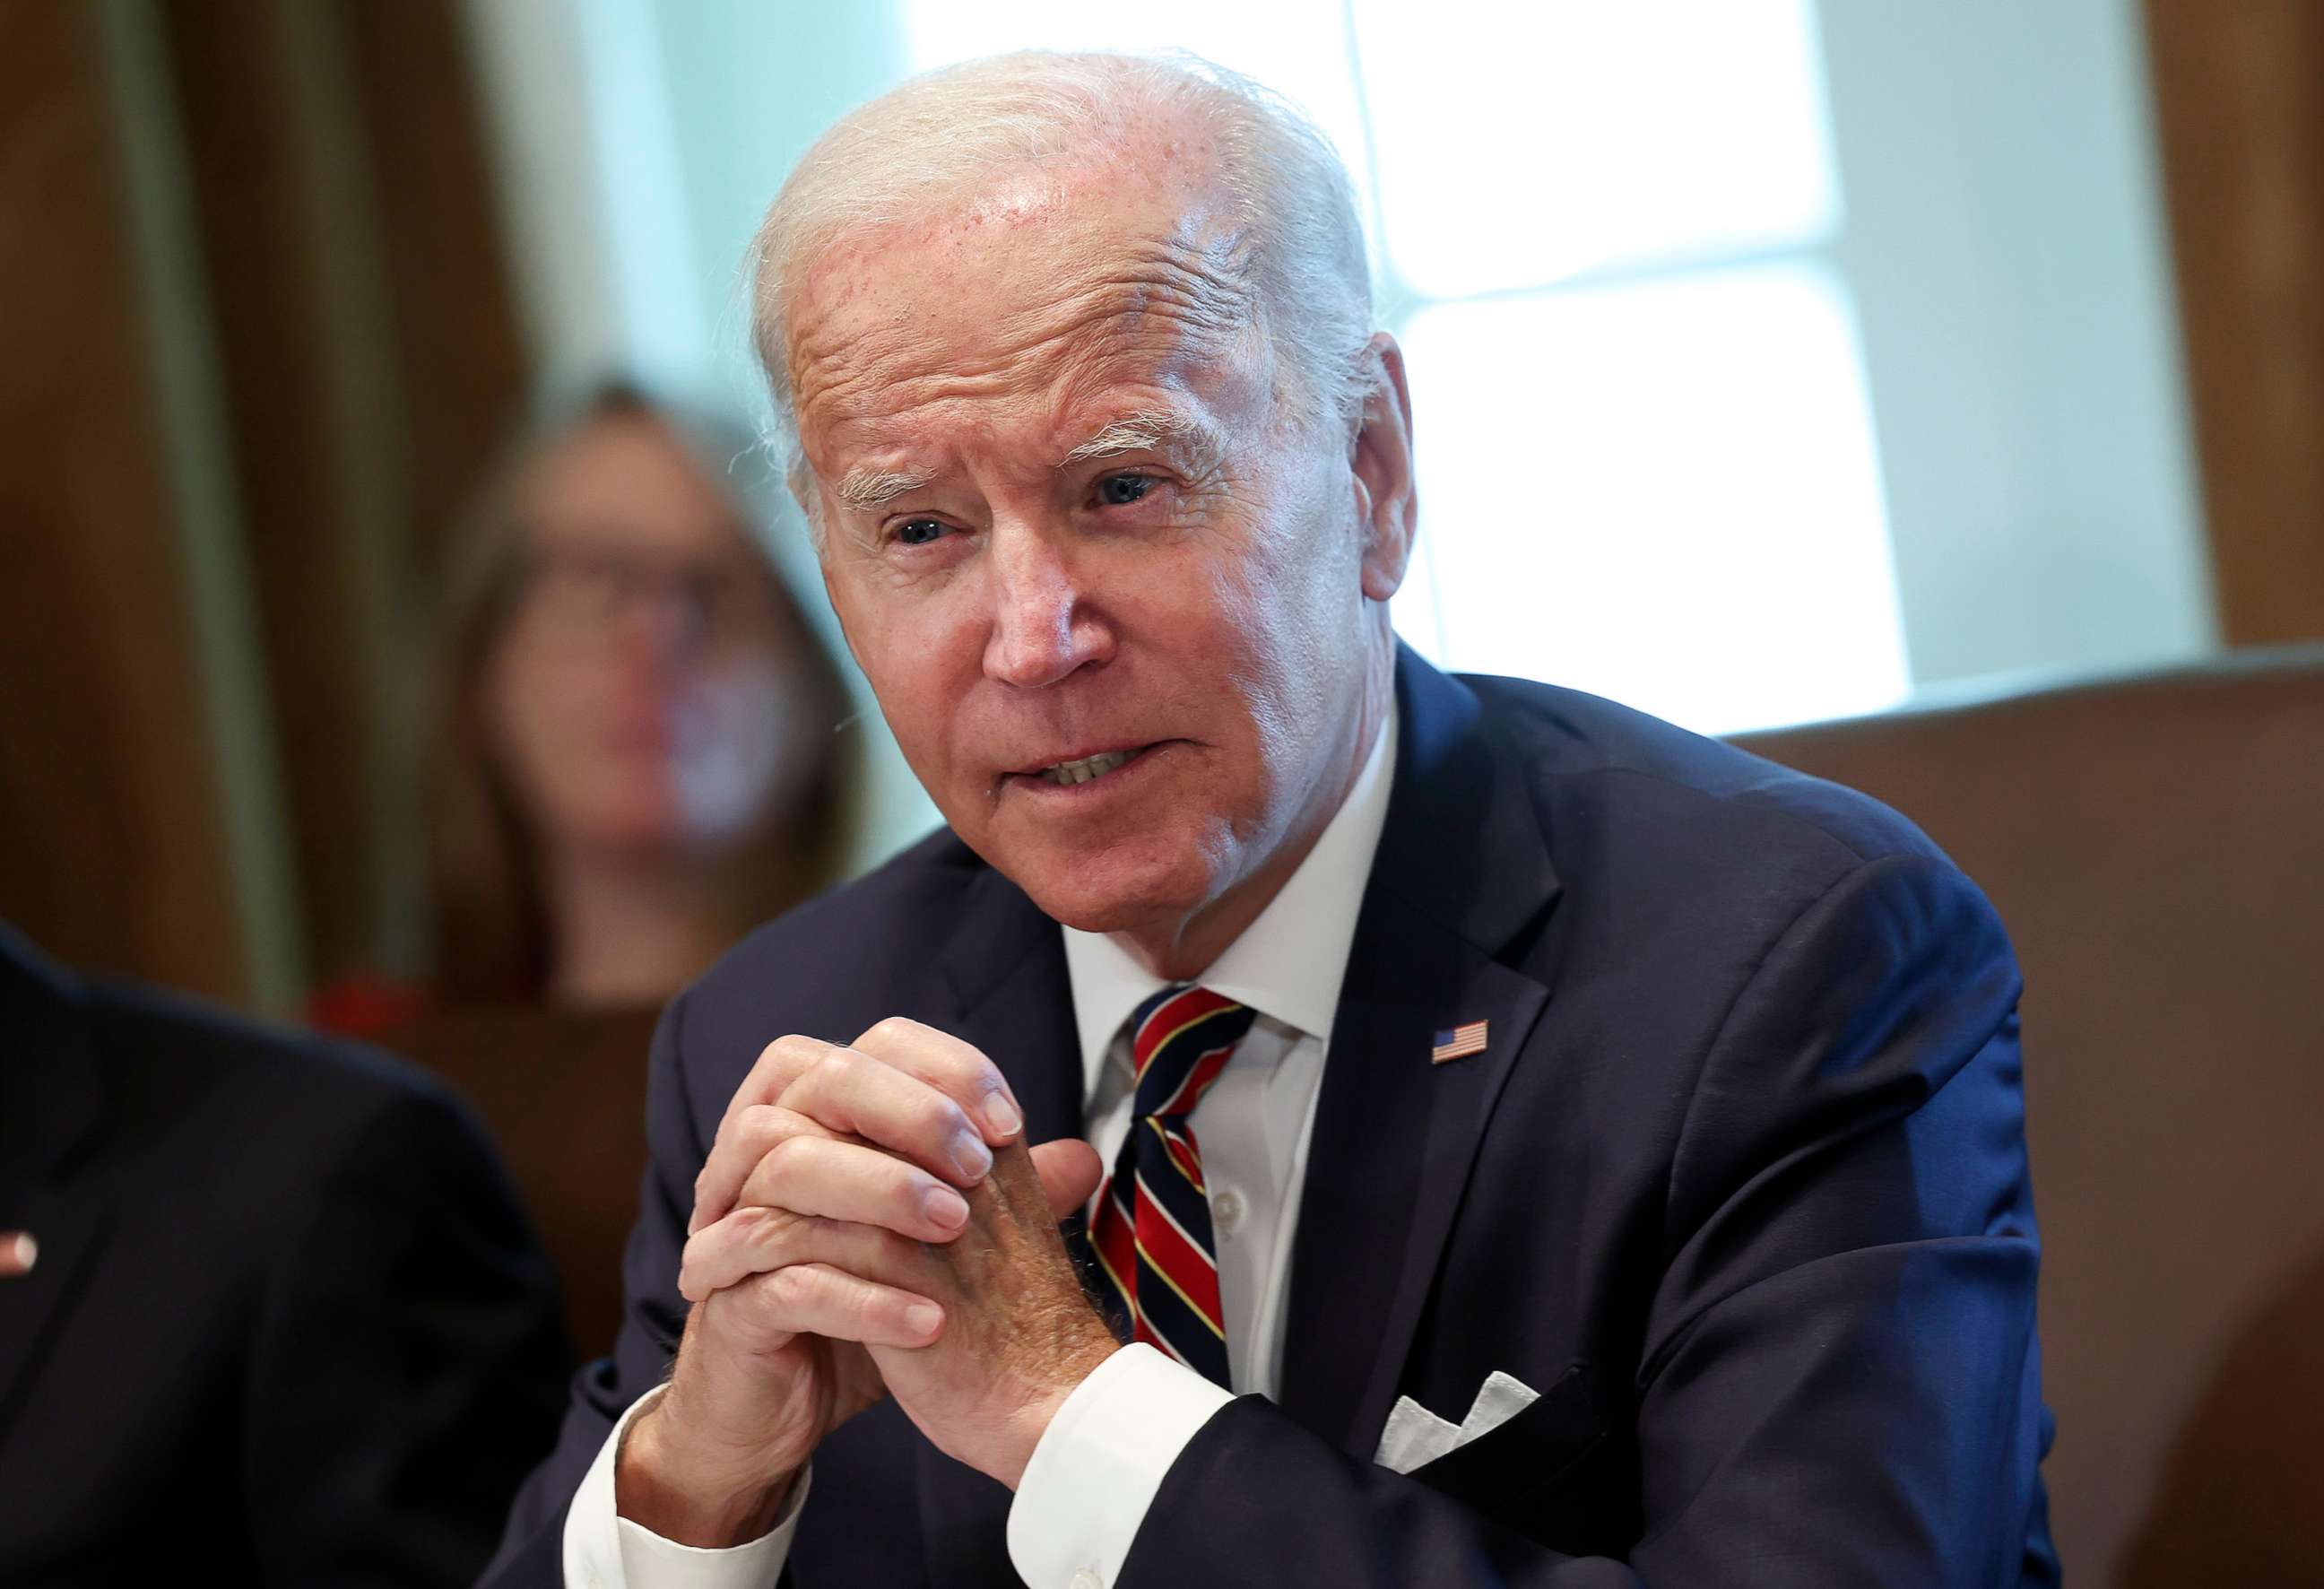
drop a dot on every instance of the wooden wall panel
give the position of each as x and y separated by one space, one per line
261 344
246 156
112 839
2239 101
459 348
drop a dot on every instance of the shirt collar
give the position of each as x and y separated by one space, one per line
1288 963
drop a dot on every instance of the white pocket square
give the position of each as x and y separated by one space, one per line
1415 1434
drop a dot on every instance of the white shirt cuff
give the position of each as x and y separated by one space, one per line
604 1550
1098 1464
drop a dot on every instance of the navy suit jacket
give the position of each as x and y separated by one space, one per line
1739 1184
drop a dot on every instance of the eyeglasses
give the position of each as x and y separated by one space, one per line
586 591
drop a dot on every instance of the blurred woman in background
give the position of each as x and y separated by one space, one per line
634 755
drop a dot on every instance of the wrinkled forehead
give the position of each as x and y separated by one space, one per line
1044 286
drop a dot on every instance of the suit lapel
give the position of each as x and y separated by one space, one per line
71 1223
50 1124
1006 970
1463 869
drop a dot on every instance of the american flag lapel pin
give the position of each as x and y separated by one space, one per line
1460 1042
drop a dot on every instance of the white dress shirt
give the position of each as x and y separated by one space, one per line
1097 1467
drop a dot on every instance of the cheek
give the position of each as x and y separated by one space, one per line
1289 615
738 735
922 652
745 717
546 717
522 706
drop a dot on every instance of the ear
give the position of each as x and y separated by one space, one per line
1380 455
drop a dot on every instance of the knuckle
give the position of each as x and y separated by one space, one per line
971 1078
775 1174
792 1054
936 1115
905 1199
834 1066
762 1125
787 1159
791 1287
776 1064
892 1029
784 1236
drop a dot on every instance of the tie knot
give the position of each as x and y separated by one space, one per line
1180 1041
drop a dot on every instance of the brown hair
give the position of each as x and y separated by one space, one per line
487 906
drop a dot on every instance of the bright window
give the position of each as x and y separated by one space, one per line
1581 136
1605 236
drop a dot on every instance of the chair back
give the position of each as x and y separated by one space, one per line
2155 846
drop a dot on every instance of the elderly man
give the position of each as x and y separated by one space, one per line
1525 1143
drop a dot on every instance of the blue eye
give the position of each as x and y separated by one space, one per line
1117 490
919 532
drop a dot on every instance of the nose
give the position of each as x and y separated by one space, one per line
1043 628
661 622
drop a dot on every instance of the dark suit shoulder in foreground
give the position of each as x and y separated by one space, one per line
288 1319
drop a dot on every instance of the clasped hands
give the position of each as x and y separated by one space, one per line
870 1220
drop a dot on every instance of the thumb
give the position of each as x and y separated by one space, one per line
1069 1171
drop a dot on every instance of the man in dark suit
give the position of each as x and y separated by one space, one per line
1531 1144
282 1323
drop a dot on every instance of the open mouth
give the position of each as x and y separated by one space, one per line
1087 769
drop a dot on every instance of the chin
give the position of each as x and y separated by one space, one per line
644 830
1118 889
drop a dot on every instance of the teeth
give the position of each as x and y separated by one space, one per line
1089 767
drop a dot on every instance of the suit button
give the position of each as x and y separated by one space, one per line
1227 1209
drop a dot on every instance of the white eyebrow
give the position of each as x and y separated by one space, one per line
866 489
1144 432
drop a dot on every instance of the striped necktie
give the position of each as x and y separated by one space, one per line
1152 1229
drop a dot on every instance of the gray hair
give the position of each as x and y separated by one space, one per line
937 136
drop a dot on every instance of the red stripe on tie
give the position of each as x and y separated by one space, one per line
1169 1018
1199 1077
1185 1153
1116 1245
1185 1266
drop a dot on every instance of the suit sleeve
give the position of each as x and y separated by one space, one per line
653 1317
1839 1383
406 1366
